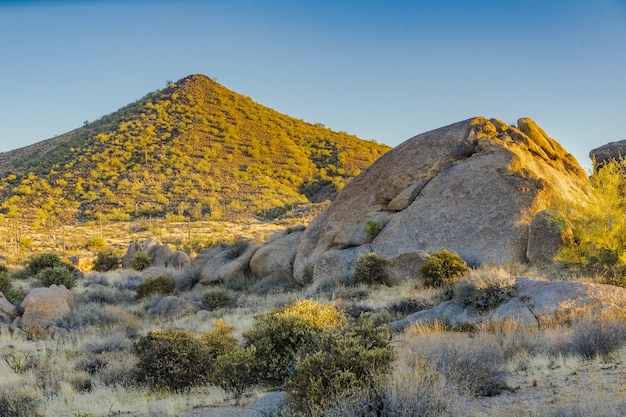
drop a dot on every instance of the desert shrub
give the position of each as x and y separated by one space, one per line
410 391
217 298
597 219
38 263
96 243
274 283
279 334
479 369
372 228
370 270
443 268
179 359
5 280
615 275
105 295
15 295
485 288
236 371
162 284
341 364
95 314
140 261
58 275
237 248
20 401
597 335
106 261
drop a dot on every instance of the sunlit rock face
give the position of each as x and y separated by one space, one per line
472 187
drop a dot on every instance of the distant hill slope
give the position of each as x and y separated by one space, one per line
194 149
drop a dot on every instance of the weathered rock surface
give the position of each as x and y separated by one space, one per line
613 150
223 263
547 235
43 306
133 249
174 307
161 254
538 301
275 257
8 312
472 187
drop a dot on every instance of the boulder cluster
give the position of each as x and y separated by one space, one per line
478 187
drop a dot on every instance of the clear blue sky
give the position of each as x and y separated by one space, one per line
383 70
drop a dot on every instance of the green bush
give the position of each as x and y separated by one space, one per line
236 371
597 219
280 334
372 228
106 261
58 275
485 288
163 284
370 270
96 243
140 261
178 359
43 261
342 364
217 298
443 268
5 281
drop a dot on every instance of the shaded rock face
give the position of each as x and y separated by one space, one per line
8 312
471 187
221 263
538 302
613 150
548 234
275 257
43 306
161 254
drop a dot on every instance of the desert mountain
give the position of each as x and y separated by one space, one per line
194 149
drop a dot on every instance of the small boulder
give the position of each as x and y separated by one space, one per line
179 259
161 255
133 249
43 306
8 312
174 307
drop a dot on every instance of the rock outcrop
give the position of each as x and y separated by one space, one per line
613 150
538 302
43 306
275 257
472 187
8 312
161 254
222 263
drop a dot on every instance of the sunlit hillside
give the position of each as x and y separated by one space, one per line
194 150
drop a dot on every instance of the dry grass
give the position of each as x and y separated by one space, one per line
572 367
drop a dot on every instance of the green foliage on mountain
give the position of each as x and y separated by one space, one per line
193 150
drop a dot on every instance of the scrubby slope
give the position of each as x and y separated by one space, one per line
194 149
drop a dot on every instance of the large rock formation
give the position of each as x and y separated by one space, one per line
613 150
472 187
537 302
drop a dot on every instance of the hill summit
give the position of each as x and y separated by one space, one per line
194 150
